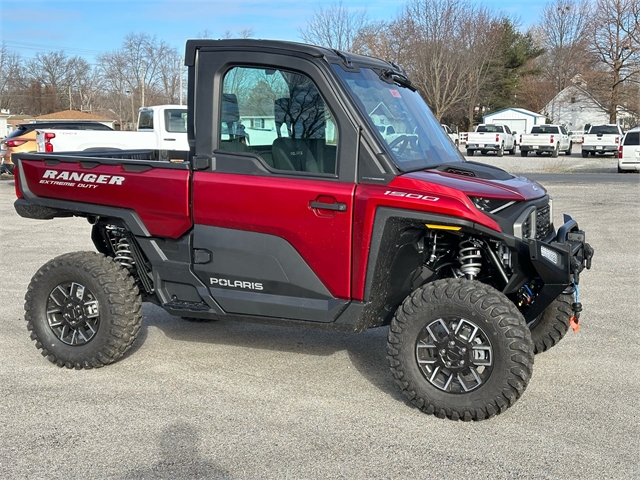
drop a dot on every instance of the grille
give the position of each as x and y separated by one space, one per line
526 228
543 222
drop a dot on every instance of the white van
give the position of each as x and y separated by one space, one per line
629 152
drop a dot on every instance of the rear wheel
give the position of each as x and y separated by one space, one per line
83 310
470 153
585 154
555 152
524 153
548 328
568 151
500 151
460 349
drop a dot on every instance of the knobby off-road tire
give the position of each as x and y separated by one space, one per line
500 350
551 325
83 310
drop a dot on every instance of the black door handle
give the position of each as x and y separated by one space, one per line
340 207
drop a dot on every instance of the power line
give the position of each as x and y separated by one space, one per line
48 48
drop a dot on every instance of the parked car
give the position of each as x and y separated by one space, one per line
451 134
491 138
160 127
629 152
23 138
601 139
551 139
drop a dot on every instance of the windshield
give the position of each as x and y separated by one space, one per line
402 119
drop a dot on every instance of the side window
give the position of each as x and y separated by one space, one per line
507 129
562 130
280 116
632 138
175 121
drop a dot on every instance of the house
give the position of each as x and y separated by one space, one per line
575 107
517 119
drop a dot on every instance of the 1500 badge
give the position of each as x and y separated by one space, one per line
416 196
223 282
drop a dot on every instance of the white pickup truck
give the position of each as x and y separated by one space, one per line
551 139
161 127
602 139
490 137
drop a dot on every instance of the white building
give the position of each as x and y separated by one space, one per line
517 119
575 106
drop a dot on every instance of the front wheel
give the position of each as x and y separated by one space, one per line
548 328
460 349
83 310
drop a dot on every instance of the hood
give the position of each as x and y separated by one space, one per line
480 180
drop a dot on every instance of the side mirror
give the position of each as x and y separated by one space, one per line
514 132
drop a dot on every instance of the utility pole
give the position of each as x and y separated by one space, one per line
144 73
133 112
180 74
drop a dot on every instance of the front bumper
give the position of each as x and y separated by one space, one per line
558 262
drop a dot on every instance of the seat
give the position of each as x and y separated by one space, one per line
293 154
303 116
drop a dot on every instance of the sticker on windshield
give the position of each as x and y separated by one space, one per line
395 93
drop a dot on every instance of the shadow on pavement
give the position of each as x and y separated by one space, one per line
366 351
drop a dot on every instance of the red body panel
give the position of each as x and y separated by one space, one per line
451 192
159 196
280 207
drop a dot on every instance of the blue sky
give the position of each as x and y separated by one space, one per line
90 27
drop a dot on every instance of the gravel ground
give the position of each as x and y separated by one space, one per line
245 401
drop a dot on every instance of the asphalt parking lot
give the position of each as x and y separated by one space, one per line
246 401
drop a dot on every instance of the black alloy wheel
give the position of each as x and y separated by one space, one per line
454 354
73 313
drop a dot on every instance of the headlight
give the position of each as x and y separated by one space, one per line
491 205
550 255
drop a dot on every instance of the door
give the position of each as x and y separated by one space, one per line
273 213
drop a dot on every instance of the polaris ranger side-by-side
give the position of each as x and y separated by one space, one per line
292 208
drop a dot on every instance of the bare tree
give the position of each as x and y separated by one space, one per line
447 45
335 27
562 33
9 73
615 41
142 69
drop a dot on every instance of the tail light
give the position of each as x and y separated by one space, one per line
617 140
17 181
497 138
582 139
14 143
620 151
551 139
48 147
520 139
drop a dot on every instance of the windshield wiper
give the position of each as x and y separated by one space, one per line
390 76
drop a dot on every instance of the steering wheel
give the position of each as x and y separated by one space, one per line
402 142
